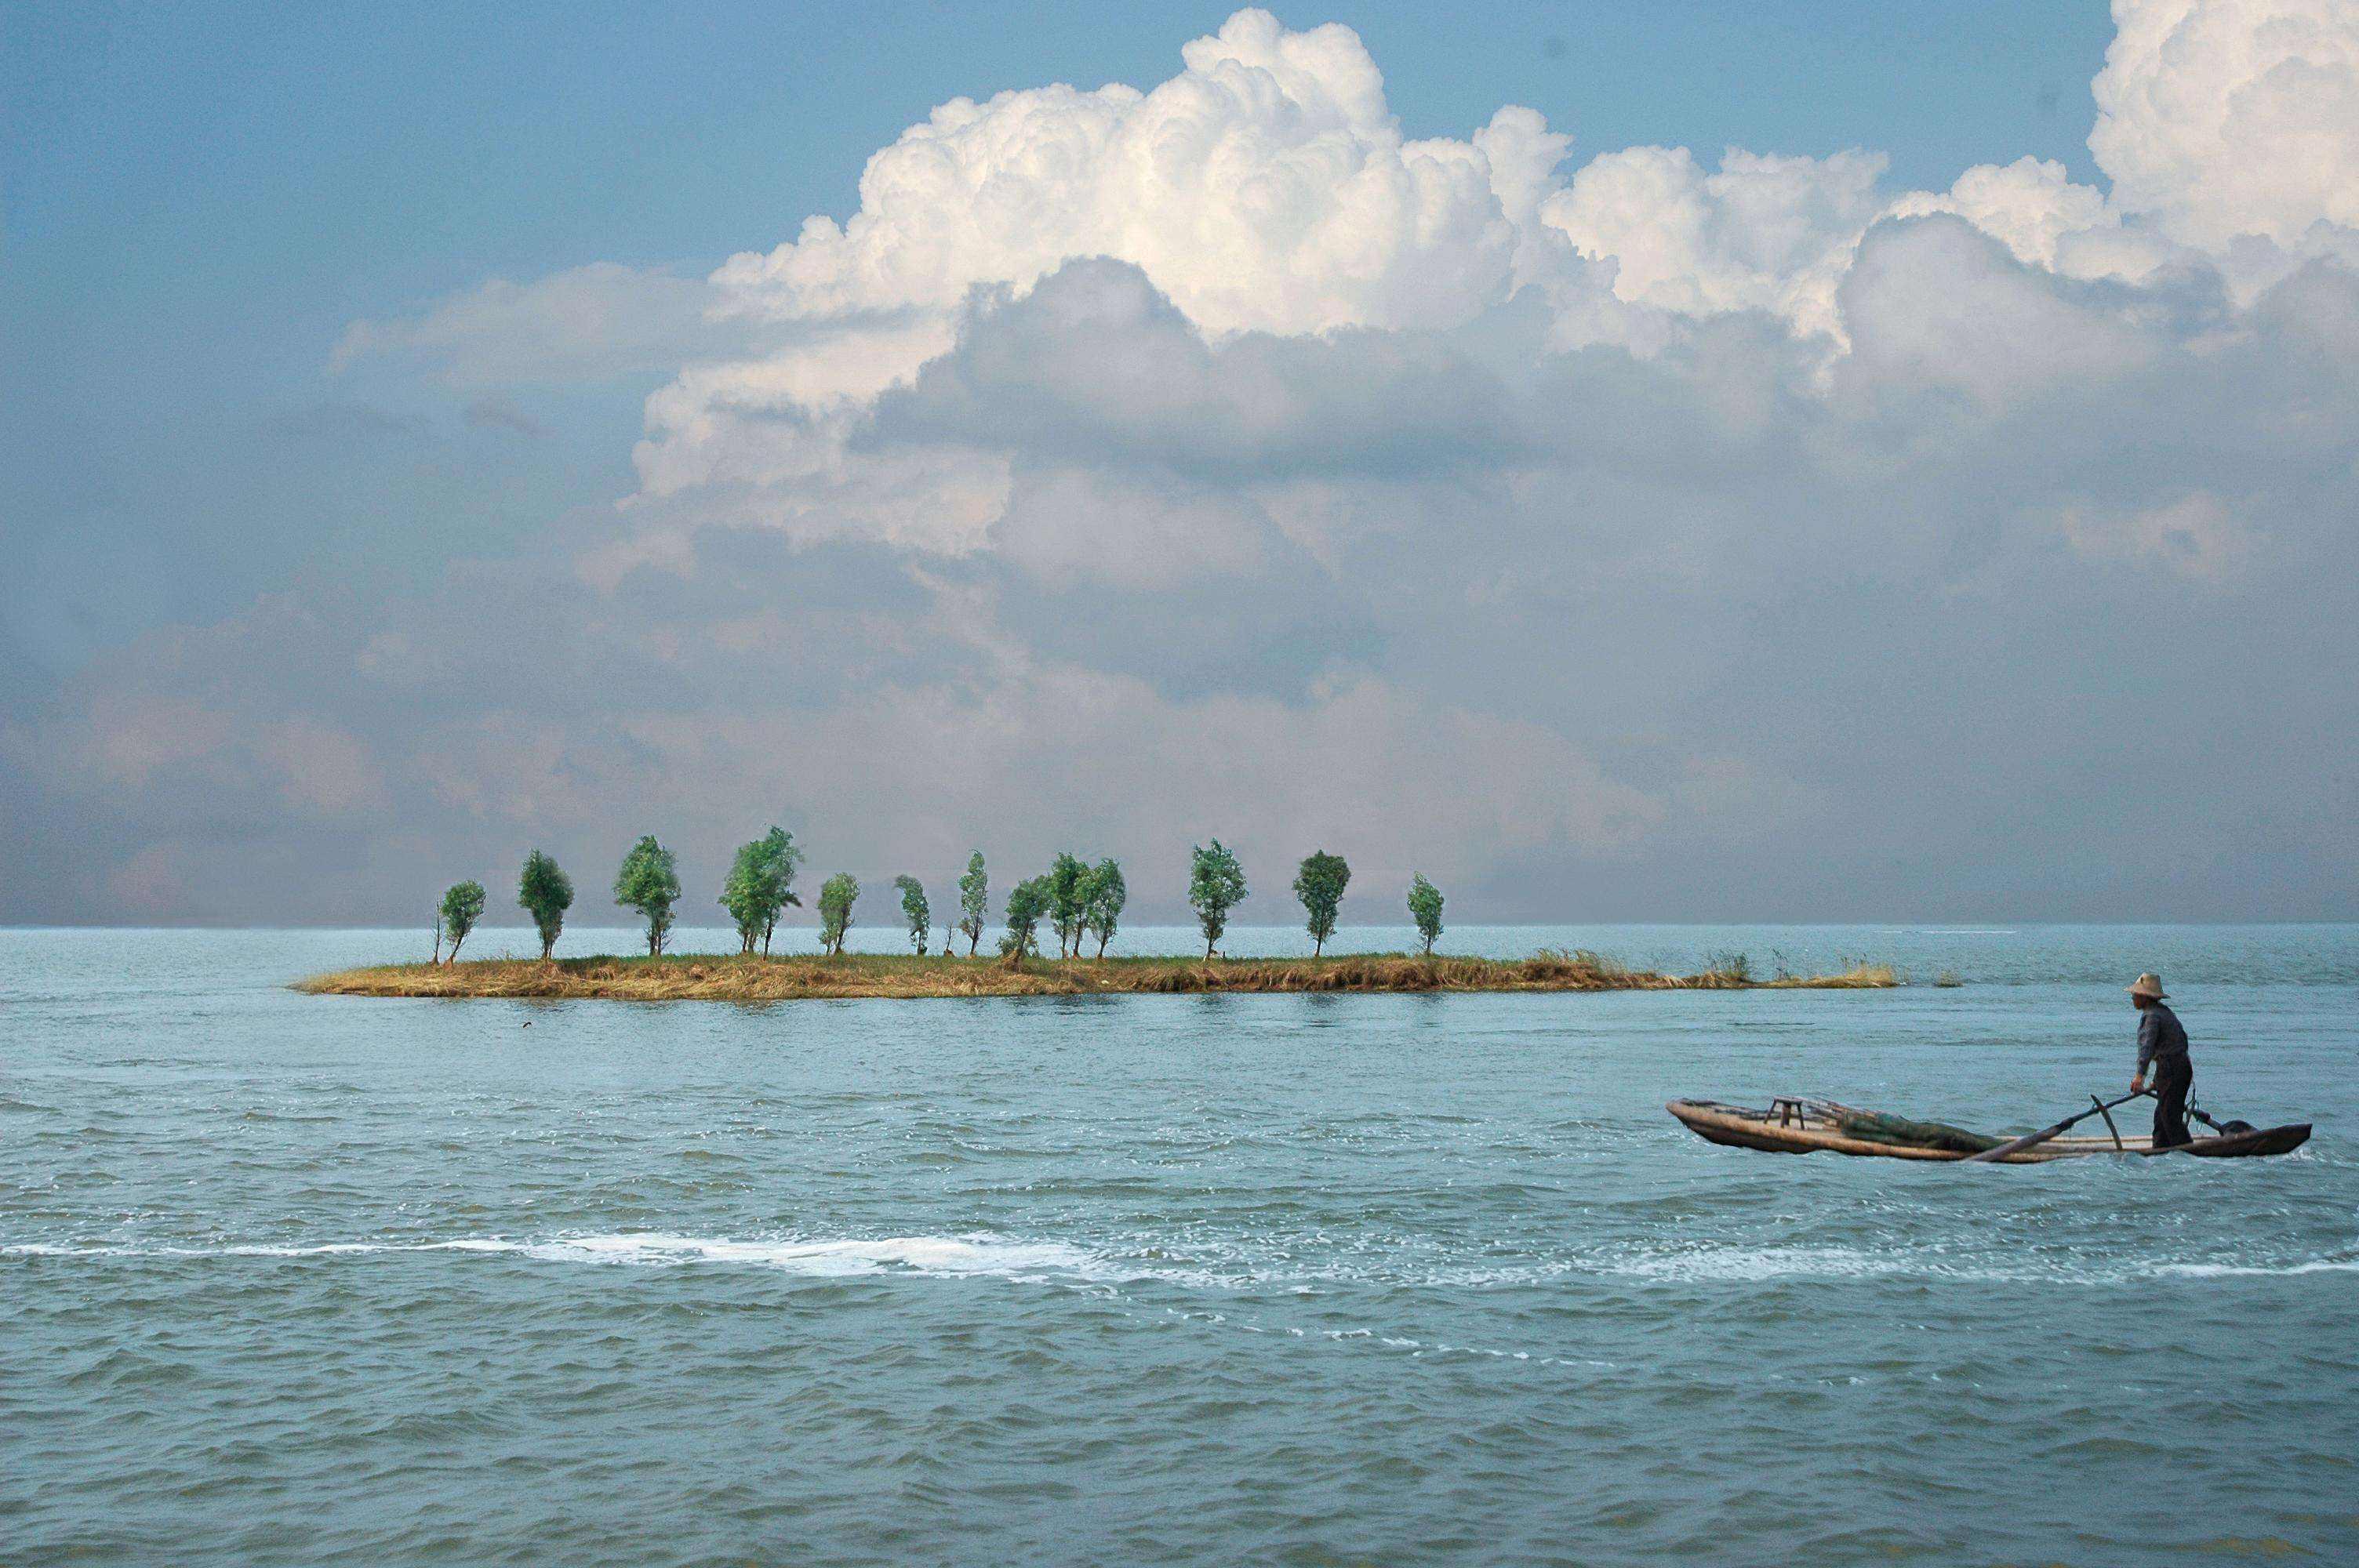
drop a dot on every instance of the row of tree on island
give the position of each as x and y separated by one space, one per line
1076 900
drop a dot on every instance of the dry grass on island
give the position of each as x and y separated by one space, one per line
716 978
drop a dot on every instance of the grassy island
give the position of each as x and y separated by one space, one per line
684 977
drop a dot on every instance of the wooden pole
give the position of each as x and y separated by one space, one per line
2033 1140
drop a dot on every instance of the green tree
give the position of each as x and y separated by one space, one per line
1216 885
760 886
648 881
1066 875
974 901
1425 908
546 894
835 898
742 894
780 860
1320 883
916 911
1028 900
1103 896
462 907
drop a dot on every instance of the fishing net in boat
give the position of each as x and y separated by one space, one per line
1874 1127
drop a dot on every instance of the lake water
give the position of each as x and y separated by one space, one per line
1205 1279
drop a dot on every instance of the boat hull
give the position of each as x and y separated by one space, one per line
1739 1127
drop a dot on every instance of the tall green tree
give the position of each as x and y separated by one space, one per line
462 907
648 881
1320 883
1425 908
916 911
545 893
743 895
760 886
1216 885
1103 896
1066 875
974 901
835 898
780 860
1028 900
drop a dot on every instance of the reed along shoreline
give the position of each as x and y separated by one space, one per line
732 977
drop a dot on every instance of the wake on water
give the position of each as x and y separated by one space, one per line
948 1256
983 1256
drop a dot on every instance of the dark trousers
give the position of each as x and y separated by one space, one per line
2173 1077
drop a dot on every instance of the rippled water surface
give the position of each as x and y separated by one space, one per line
1409 1278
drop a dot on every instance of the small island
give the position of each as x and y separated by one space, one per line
756 979
1070 905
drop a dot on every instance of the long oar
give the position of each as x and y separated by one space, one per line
2032 1139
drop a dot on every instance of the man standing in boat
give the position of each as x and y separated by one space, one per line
2162 1044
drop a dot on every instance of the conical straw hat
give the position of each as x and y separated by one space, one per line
2149 985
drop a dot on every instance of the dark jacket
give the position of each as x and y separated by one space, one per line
2160 1038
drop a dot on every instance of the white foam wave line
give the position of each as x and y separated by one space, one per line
977 1255
2212 1271
1840 1263
323 1249
932 1255
1415 1347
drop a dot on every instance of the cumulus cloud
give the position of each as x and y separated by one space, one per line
1266 193
1266 186
1265 190
1644 535
2035 210
2225 118
1762 232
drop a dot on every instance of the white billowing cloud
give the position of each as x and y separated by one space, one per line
1266 196
1523 155
1266 185
1266 188
2033 208
2222 118
1763 232
2219 120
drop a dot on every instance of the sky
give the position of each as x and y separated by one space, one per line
1689 462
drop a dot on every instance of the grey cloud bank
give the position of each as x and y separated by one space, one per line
1644 543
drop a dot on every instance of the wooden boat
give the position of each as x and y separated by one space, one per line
1809 1126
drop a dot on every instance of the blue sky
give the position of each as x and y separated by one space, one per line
203 203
